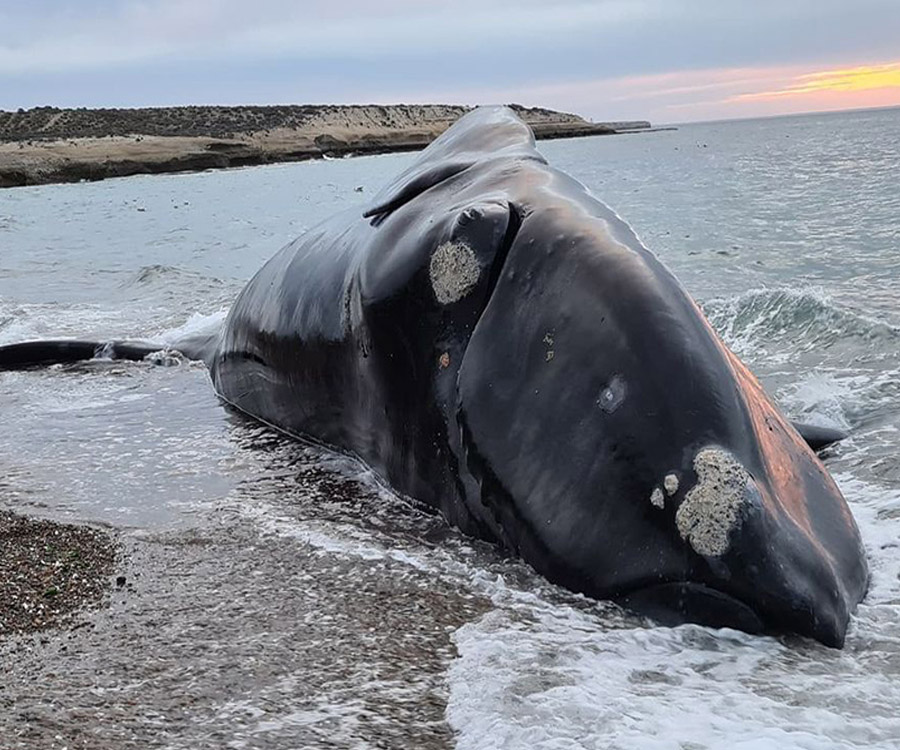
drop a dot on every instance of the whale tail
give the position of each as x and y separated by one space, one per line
32 354
29 354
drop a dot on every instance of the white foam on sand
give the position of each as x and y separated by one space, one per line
560 678
548 669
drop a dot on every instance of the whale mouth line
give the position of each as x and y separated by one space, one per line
680 602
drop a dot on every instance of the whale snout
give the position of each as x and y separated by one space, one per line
756 567
793 581
686 601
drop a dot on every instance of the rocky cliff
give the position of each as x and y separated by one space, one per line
47 144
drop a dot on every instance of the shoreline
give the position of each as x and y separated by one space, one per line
48 145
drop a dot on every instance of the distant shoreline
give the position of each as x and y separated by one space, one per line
49 145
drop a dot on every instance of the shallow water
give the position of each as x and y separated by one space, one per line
279 597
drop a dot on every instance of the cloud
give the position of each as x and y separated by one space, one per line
163 30
615 37
686 95
666 60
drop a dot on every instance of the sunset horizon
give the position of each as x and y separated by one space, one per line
667 62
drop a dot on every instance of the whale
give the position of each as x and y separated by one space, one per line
498 344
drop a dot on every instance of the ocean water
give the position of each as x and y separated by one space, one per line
281 597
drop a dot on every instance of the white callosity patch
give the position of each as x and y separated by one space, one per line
454 271
656 497
712 508
548 340
671 484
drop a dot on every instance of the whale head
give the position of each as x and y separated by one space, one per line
598 425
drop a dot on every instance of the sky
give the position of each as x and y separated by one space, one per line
668 61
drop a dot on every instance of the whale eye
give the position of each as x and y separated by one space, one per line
612 396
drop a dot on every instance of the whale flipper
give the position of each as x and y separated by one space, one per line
817 437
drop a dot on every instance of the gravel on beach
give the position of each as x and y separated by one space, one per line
49 571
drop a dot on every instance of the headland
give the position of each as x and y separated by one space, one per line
48 144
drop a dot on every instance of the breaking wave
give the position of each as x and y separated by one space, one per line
24 322
160 273
197 324
794 320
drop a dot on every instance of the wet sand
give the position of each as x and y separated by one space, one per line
232 634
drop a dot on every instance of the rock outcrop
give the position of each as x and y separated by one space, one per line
47 144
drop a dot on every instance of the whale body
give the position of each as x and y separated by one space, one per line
497 343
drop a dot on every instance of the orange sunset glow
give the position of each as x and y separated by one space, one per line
756 91
862 78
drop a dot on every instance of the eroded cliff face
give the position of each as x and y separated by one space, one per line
51 123
47 144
